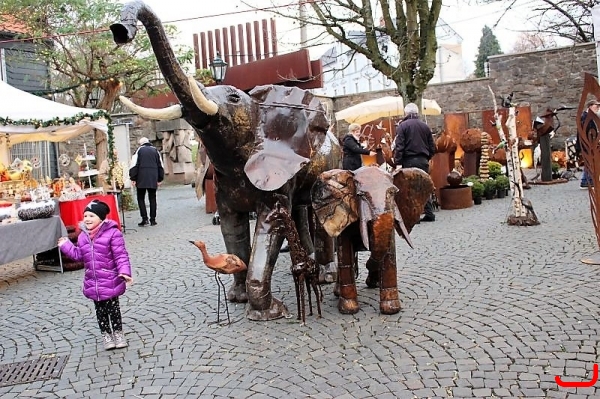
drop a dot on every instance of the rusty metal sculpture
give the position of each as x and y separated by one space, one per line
362 209
271 141
544 127
590 150
221 264
305 270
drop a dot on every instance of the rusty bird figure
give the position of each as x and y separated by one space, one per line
221 264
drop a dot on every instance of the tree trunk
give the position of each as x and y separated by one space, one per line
521 210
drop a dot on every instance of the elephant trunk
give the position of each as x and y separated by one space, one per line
125 31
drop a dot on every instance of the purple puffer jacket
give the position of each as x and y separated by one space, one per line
104 258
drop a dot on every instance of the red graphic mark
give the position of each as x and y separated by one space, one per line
578 384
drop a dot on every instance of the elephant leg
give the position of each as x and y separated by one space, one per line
348 299
262 305
235 228
373 267
389 303
324 253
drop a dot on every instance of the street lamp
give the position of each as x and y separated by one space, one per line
94 97
218 67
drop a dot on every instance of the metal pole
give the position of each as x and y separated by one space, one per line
596 23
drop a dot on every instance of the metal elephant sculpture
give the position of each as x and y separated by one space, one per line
362 209
271 141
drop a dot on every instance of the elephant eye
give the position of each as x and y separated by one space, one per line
233 98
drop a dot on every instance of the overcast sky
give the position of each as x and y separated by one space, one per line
467 21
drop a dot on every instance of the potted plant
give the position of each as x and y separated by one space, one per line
555 169
494 169
502 185
489 188
477 190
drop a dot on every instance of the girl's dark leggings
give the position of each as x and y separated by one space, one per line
107 312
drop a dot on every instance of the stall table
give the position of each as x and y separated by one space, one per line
22 239
71 212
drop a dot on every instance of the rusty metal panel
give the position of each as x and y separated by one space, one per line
196 52
257 40
455 124
249 42
275 70
488 121
273 38
211 53
265 36
316 81
523 123
203 49
241 42
234 55
226 54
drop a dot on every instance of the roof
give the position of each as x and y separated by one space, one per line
9 24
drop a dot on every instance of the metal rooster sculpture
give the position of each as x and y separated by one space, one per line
221 264
304 268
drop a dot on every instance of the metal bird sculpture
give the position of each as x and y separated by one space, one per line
221 264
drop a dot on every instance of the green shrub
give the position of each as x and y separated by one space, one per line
502 182
495 169
489 186
477 189
470 179
555 167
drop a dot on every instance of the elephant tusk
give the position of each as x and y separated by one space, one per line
165 114
205 105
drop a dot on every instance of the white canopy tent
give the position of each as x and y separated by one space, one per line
383 107
20 112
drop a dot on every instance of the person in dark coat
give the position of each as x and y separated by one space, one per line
101 248
352 148
594 107
146 175
414 147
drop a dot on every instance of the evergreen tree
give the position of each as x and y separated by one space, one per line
488 45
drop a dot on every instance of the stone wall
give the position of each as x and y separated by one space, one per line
542 79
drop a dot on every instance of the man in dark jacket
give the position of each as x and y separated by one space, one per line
146 175
352 148
414 147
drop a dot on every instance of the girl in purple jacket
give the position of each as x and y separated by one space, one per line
101 247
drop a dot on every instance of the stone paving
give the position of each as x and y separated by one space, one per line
489 310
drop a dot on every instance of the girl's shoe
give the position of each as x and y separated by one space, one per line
108 341
120 341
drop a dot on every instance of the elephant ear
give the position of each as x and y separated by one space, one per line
292 126
334 200
414 189
378 193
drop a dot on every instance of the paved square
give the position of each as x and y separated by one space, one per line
489 310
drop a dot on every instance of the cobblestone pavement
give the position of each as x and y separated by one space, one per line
489 310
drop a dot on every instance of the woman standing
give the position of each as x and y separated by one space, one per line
353 149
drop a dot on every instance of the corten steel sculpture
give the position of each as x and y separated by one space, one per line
221 264
271 141
362 209
378 140
305 270
590 151
543 126
470 142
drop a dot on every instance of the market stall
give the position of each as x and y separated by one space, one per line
28 118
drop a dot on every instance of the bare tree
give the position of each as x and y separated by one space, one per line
569 19
533 41
409 25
